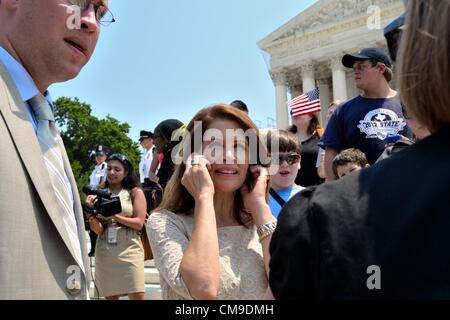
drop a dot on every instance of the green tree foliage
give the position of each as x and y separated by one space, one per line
81 132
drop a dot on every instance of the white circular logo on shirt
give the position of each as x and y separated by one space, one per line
380 123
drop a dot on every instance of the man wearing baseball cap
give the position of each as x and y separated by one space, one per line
365 121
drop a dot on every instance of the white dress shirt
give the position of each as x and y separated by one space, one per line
98 175
146 162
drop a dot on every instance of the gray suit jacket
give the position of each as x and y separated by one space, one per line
36 261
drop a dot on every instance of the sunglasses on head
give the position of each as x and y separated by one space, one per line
102 13
118 156
291 158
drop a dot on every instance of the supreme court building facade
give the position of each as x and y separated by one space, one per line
306 52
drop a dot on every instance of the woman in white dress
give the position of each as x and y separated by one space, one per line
210 236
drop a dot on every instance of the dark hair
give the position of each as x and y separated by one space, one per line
176 198
288 142
131 180
351 155
314 124
239 105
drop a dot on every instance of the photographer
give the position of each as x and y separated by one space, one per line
119 250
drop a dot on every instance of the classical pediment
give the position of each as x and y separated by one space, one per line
321 14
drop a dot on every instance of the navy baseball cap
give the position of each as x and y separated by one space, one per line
376 54
101 150
145 135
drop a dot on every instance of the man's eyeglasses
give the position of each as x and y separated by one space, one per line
291 159
102 13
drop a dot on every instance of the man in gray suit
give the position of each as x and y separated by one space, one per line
42 241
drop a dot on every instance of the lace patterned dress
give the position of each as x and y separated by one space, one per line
242 272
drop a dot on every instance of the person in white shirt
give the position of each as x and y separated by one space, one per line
146 141
98 175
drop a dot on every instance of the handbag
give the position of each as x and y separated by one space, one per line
148 254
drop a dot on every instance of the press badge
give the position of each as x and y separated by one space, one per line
112 233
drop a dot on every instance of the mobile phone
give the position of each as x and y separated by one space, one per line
392 138
249 181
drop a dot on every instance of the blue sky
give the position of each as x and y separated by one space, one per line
169 58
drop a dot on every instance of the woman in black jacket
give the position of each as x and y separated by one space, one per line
165 140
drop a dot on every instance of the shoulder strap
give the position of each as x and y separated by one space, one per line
277 197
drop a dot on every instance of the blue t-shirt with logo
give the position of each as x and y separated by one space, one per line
364 124
285 194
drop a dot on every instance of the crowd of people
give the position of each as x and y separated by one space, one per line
252 215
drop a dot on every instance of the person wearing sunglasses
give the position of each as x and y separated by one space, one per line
285 165
119 253
381 233
43 245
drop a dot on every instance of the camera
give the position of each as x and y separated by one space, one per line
106 204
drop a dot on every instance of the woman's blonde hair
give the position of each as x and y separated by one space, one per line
424 69
176 198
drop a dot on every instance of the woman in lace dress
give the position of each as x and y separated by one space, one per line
211 234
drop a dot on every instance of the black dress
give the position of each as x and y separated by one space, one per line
307 175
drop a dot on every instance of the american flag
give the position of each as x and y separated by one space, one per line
307 103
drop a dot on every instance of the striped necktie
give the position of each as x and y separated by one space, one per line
51 145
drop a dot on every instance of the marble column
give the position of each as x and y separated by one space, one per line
295 89
324 90
279 80
308 79
339 79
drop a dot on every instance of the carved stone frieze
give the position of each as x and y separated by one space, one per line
328 11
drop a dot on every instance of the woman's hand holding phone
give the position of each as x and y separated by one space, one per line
255 198
197 179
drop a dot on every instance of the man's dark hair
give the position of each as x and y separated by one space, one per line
240 105
351 155
287 141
